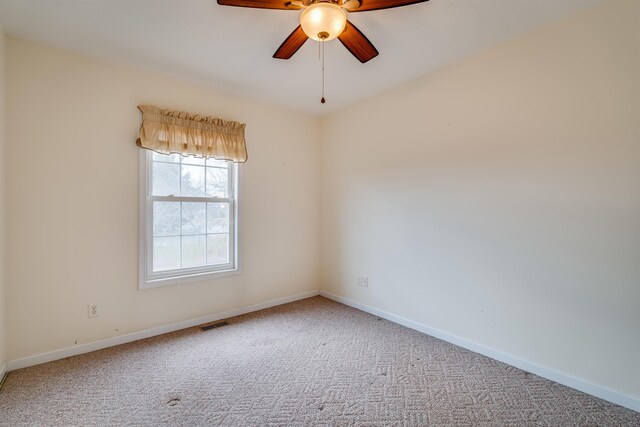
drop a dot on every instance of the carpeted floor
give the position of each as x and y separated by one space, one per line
312 362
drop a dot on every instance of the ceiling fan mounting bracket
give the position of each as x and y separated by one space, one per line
295 5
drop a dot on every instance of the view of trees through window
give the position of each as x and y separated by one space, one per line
191 212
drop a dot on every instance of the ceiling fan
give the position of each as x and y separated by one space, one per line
324 20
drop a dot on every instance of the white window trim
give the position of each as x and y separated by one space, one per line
147 281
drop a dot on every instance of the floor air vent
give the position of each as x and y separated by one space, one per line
214 325
4 377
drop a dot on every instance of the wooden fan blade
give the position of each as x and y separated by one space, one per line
258 4
383 4
357 43
291 45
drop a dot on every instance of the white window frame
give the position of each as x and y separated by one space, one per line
147 278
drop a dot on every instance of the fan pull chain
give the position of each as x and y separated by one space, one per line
322 99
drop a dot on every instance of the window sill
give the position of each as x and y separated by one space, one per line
168 281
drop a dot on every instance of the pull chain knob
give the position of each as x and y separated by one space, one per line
323 35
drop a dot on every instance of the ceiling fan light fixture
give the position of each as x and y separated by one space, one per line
323 21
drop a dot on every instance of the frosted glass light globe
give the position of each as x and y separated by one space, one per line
323 19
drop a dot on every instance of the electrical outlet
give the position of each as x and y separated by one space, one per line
363 281
92 310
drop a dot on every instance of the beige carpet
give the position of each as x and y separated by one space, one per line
313 362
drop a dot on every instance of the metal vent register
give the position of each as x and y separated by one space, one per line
214 325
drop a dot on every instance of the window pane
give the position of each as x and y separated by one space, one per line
194 218
217 163
192 181
194 249
166 179
166 218
166 253
172 158
217 182
217 249
188 235
217 217
192 160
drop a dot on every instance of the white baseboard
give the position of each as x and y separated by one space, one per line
607 394
38 359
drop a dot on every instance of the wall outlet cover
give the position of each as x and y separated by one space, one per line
92 310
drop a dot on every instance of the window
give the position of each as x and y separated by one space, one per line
188 218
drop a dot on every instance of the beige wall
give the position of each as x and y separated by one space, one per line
72 201
3 352
498 199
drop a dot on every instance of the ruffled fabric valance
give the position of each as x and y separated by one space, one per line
167 132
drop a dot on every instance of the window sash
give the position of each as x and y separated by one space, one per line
231 167
152 275
149 278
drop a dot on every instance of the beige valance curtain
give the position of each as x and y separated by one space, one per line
167 131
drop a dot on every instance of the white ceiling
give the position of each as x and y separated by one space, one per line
231 48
